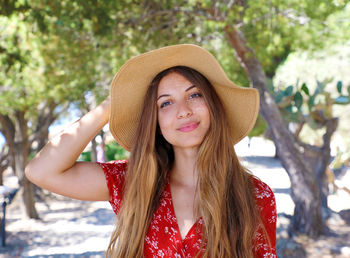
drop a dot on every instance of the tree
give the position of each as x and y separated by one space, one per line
43 69
306 188
301 106
52 55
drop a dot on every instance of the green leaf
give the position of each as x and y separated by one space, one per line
320 87
298 99
279 96
339 86
342 100
311 102
289 109
305 89
288 91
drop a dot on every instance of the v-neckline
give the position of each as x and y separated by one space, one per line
189 232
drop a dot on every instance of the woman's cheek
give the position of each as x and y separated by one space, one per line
163 118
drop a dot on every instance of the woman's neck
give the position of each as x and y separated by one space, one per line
183 171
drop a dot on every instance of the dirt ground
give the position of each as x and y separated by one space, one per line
68 228
72 228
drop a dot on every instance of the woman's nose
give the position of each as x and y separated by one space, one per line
184 110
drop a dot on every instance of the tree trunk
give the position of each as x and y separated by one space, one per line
45 118
42 139
28 188
21 152
29 199
16 134
93 154
4 164
102 155
305 190
319 159
2 169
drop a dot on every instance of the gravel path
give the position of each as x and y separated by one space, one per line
68 228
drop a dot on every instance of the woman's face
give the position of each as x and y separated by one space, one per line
183 115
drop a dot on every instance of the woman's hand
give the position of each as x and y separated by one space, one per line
55 167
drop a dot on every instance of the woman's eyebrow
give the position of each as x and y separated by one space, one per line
163 95
190 88
167 95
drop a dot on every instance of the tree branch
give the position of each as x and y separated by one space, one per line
151 14
331 127
21 125
45 119
239 44
8 129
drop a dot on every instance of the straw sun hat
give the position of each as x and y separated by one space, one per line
130 84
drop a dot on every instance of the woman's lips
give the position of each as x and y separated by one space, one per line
188 127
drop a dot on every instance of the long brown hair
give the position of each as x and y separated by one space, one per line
225 189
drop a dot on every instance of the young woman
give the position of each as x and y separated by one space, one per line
183 192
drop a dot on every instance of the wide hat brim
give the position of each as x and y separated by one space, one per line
130 84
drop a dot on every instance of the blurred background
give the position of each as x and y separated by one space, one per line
57 59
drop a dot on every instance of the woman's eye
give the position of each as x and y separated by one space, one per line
164 104
195 95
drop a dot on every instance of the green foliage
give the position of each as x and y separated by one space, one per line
298 100
301 105
115 152
7 8
276 28
259 127
305 89
17 67
340 160
60 51
339 86
51 55
85 156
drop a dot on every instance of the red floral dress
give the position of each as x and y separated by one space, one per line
163 237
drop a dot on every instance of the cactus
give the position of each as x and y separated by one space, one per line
300 105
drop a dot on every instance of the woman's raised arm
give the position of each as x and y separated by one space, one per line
55 167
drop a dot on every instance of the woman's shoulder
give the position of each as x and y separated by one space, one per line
262 190
266 205
115 176
264 196
115 172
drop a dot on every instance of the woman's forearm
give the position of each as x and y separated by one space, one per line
61 153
